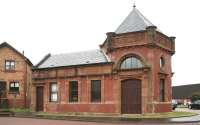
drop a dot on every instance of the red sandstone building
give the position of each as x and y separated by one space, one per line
15 78
130 73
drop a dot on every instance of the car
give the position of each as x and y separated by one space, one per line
195 105
174 106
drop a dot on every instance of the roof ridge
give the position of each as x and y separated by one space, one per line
187 85
76 52
146 21
75 58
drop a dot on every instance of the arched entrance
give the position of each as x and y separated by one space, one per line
131 96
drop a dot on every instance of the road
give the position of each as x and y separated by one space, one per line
29 121
193 118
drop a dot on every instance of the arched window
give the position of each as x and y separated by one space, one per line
130 63
162 62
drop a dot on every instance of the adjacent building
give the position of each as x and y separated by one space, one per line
129 74
182 94
15 78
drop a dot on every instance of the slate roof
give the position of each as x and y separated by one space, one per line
70 59
185 91
135 21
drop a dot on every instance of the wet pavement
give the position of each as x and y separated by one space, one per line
30 121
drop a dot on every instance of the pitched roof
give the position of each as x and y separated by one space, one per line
5 44
185 91
135 21
70 59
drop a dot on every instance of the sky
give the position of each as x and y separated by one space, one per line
39 27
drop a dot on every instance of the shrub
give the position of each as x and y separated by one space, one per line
195 96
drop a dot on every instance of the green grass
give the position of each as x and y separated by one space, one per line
20 110
162 115
128 116
4 110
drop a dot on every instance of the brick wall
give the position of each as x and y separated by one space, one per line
148 46
22 74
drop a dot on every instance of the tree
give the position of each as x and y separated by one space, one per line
195 96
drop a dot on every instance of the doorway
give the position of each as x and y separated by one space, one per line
131 96
39 98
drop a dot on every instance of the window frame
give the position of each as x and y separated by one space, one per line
162 62
9 67
96 95
51 92
13 89
162 90
133 62
73 92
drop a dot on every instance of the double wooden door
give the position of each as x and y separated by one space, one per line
131 97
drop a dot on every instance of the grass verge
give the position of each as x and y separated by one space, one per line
125 116
162 115
20 110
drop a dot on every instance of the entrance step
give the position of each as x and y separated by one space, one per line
5 113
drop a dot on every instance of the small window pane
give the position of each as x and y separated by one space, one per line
14 86
162 90
129 63
54 97
12 63
53 92
9 65
54 87
96 91
73 91
162 62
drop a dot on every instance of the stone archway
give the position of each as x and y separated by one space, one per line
131 99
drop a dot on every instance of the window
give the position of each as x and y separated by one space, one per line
162 62
96 91
14 86
10 65
130 63
73 91
162 90
53 92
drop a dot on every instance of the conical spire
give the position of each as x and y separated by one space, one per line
135 21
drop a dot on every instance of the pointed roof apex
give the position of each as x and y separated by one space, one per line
134 6
5 44
135 21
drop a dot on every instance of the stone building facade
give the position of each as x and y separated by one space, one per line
15 78
130 74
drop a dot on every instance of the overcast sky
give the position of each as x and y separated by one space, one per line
40 27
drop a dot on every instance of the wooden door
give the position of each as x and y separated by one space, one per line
131 96
2 89
39 98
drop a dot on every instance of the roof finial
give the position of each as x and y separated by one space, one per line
134 5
